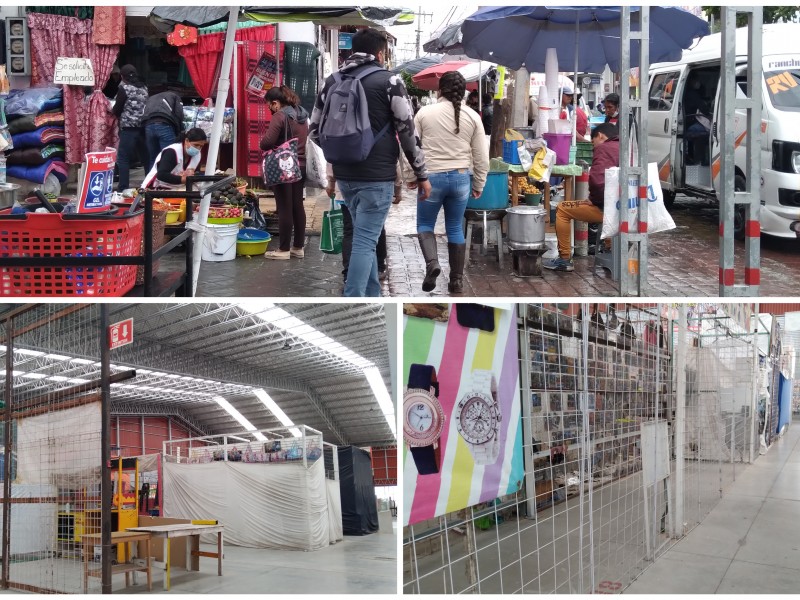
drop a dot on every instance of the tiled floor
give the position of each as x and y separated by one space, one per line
749 543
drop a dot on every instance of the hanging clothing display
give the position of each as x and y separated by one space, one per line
88 124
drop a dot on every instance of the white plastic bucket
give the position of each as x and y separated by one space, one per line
219 243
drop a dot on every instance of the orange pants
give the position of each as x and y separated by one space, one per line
577 210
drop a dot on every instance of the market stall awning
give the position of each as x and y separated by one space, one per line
418 64
166 17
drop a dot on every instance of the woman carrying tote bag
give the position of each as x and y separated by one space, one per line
289 121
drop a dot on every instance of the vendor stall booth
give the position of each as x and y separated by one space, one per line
359 506
272 493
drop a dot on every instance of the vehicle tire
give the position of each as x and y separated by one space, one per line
739 212
669 198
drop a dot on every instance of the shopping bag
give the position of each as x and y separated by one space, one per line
658 218
280 165
542 165
330 242
316 167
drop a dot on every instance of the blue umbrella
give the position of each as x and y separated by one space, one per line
520 35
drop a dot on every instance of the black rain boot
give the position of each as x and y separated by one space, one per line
457 254
427 242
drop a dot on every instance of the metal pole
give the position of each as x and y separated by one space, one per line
105 449
750 197
8 449
216 134
680 420
756 391
527 430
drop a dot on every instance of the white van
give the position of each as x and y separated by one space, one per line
683 134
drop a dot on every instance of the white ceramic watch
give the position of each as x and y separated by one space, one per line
477 416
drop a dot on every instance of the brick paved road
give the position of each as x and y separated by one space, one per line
683 262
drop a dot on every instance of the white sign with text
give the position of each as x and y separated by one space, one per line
74 71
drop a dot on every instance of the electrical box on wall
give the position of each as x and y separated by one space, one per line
17 46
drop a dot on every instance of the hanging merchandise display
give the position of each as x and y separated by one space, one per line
264 75
461 411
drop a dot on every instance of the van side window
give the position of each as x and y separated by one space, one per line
662 91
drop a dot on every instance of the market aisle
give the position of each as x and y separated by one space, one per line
749 543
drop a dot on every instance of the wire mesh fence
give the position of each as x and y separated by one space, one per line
52 411
615 471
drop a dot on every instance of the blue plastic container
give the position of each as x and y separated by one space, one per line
510 152
495 194
251 234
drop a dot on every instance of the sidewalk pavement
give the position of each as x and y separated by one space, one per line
683 262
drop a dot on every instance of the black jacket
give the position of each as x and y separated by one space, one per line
166 106
387 101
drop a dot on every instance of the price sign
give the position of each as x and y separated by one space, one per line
264 75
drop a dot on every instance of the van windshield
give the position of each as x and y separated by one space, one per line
784 88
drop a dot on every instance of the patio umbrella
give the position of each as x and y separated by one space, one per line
428 79
514 36
418 64
587 38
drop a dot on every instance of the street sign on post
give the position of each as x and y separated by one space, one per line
120 334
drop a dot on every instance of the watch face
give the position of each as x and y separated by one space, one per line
477 418
423 418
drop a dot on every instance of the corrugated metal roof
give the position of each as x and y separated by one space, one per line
209 349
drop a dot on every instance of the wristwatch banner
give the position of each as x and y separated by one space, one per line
479 450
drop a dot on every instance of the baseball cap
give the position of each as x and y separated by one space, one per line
567 89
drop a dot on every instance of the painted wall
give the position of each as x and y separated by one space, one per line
126 432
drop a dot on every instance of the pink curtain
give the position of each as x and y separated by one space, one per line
102 131
202 60
52 36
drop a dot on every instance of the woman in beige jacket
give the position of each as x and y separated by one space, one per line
457 158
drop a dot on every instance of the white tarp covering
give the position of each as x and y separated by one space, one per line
336 528
58 444
34 525
281 506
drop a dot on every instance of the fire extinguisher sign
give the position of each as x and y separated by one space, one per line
120 334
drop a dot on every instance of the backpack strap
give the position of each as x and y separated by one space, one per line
361 75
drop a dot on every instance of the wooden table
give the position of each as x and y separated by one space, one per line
193 553
89 541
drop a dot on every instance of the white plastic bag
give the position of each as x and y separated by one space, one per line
611 204
658 219
316 173
524 157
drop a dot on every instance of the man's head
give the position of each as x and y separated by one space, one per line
611 104
371 41
472 99
603 132
567 95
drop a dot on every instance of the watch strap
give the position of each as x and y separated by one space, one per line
426 458
484 380
423 377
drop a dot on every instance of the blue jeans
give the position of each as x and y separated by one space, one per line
158 136
450 189
131 144
368 203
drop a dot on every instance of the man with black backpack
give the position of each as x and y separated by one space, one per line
358 118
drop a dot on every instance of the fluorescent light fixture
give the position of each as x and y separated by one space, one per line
33 376
58 378
78 380
273 407
375 381
56 357
240 418
82 361
259 436
28 352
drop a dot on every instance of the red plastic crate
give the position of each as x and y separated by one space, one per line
43 235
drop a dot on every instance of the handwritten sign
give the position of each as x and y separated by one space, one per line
74 71
264 75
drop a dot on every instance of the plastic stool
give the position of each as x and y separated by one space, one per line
607 259
488 228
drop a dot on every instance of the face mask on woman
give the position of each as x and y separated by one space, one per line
192 150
